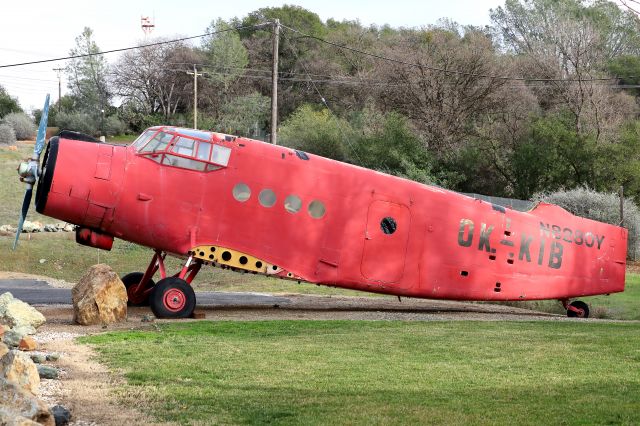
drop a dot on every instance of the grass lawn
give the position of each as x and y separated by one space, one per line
375 372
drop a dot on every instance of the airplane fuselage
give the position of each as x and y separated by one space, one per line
327 222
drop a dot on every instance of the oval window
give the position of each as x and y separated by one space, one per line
241 192
388 225
267 198
292 204
316 209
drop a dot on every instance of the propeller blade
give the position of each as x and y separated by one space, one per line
23 214
42 130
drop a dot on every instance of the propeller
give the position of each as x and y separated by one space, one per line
28 170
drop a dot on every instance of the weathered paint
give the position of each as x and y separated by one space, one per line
378 232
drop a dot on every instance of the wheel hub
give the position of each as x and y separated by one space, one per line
174 300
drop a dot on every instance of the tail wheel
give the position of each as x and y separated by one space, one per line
130 281
172 297
581 310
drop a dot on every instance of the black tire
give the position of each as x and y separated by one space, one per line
580 305
172 298
132 279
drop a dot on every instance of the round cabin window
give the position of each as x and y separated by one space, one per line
292 204
241 192
388 225
267 198
316 209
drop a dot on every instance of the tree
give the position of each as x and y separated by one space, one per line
154 79
245 115
8 104
443 105
87 76
226 56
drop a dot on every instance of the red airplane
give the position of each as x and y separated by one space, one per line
246 205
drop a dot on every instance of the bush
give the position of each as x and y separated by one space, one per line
603 207
317 132
7 135
78 122
114 126
22 125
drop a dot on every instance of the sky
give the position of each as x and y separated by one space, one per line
32 30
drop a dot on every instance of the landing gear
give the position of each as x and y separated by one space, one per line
131 281
577 309
171 297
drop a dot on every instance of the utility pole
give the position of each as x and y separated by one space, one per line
274 83
59 70
195 74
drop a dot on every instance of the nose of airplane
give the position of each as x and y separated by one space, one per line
78 183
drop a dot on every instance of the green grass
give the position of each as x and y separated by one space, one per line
122 139
358 372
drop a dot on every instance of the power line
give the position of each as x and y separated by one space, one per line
442 70
123 49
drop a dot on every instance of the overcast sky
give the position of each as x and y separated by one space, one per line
35 29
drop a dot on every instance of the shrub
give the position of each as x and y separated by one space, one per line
78 122
22 125
114 126
7 135
603 207
317 132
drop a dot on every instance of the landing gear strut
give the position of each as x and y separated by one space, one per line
576 309
171 297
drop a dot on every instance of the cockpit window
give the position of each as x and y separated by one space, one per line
143 138
204 150
220 155
185 146
185 163
158 143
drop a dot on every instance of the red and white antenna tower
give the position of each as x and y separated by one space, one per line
147 25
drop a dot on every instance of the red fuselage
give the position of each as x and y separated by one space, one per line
327 222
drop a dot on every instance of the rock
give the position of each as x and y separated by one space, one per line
25 330
69 228
16 313
30 227
4 349
38 358
8 229
12 338
50 228
15 335
100 297
54 356
27 343
60 226
47 372
42 261
18 407
2 330
18 368
61 415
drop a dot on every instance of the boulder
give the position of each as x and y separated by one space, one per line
12 338
38 358
29 226
27 343
50 228
100 297
15 335
18 407
17 367
61 415
53 356
4 349
15 313
47 372
2 330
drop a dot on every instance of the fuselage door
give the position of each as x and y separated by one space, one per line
385 241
